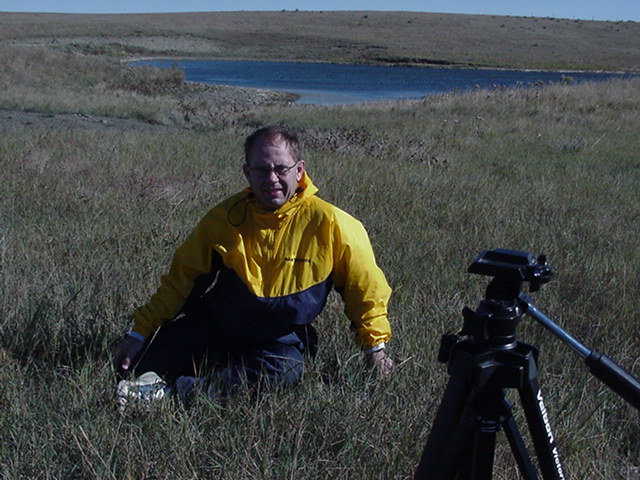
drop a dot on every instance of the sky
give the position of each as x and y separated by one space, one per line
572 9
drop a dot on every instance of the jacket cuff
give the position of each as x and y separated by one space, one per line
377 348
137 336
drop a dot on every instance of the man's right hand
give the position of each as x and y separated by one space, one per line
126 351
381 361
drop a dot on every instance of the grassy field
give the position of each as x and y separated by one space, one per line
106 168
350 37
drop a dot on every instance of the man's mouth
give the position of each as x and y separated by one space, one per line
272 192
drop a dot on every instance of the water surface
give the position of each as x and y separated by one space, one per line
333 84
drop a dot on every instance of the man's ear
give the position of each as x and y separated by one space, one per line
299 170
245 169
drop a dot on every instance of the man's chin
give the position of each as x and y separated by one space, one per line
272 202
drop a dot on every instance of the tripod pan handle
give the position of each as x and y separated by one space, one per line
615 377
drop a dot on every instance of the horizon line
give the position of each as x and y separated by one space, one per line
178 12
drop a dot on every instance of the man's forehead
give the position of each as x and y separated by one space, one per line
268 150
276 141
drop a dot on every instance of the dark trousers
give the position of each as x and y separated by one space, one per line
189 346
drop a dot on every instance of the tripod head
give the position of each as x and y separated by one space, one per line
510 269
494 323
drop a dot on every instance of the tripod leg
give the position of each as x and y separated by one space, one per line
468 452
484 447
447 434
540 427
463 437
523 459
493 413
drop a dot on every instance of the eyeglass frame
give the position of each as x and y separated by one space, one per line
267 171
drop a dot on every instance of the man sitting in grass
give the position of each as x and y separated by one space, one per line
237 304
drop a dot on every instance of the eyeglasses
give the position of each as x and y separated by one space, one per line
280 170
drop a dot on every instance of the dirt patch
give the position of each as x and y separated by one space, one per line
11 120
199 106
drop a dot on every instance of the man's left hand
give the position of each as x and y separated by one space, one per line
380 361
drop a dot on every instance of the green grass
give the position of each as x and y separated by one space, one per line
90 215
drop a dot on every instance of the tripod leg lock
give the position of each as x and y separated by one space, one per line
447 342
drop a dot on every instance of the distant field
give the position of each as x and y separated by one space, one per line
352 37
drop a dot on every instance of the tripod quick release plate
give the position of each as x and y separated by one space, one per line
513 266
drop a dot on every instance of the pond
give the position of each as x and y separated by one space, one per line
336 84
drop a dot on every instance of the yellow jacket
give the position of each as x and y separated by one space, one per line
260 274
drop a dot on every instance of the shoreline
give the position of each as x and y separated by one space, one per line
449 66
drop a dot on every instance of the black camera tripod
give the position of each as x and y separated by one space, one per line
490 360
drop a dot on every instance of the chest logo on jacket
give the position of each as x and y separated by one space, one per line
297 260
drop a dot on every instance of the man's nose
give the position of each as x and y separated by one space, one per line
271 176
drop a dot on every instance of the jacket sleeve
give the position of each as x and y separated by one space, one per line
193 259
361 283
